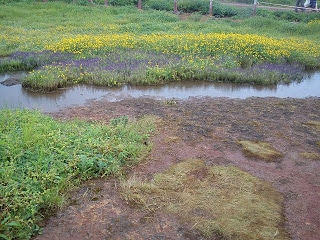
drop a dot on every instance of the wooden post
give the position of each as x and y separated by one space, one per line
139 4
210 7
255 7
106 3
175 7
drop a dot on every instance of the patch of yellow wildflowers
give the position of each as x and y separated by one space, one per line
69 39
258 47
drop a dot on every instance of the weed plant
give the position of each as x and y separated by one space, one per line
41 159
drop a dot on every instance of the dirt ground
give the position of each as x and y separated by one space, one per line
207 129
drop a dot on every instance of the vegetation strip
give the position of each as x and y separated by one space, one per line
121 45
42 159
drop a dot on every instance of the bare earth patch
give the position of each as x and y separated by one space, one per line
207 129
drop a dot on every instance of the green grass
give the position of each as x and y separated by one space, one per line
220 202
42 159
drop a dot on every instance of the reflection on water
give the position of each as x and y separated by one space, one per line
16 96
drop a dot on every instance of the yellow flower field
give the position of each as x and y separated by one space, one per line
258 47
212 44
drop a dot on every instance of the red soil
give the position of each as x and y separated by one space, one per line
207 129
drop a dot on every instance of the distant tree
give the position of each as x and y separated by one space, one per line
106 3
175 7
140 4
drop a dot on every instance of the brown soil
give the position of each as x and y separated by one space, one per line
207 129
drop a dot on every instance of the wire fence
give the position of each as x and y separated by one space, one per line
229 8
254 5
212 7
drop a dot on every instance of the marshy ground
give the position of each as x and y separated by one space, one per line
219 132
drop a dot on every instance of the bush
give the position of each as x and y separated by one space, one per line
190 6
163 5
224 11
122 2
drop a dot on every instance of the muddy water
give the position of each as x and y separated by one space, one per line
17 97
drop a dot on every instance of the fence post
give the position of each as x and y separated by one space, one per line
140 4
210 7
175 7
255 2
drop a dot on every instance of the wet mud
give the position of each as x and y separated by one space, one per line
207 129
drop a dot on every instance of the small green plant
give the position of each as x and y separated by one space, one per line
123 120
246 62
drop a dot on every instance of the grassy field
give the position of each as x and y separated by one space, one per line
42 159
63 44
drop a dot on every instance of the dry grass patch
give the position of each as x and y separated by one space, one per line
314 124
310 155
260 150
215 201
172 139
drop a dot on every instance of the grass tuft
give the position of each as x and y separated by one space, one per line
310 155
261 150
215 201
313 124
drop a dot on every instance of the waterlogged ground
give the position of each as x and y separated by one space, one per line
207 129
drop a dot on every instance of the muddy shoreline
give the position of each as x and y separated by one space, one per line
207 129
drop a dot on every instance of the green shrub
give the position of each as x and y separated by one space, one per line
122 2
224 11
163 5
190 6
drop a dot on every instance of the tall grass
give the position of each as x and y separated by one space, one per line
41 159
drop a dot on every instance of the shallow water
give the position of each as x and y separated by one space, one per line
17 97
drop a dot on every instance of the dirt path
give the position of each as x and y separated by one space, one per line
208 129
